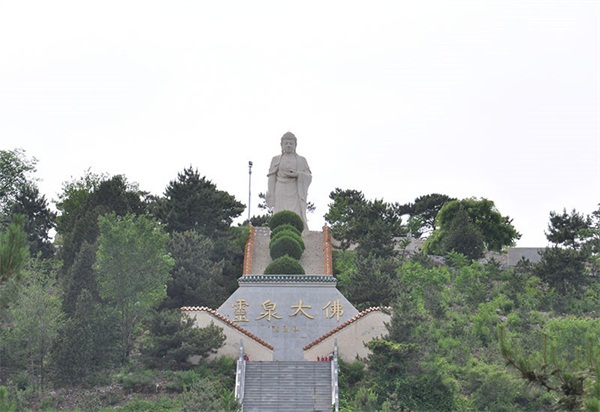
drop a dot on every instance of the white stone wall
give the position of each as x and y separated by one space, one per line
351 339
255 350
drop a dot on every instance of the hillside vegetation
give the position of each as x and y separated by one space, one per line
89 299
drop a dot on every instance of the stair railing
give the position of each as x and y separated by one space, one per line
335 391
240 375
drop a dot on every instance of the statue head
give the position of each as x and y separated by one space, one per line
288 143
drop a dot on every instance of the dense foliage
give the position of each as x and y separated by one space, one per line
286 227
284 265
290 234
97 313
13 257
373 226
422 213
192 202
133 267
497 230
285 246
286 217
94 326
196 279
466 335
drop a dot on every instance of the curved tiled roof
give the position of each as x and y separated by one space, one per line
287 279
345 324
226 320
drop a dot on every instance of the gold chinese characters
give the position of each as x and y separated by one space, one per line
332 308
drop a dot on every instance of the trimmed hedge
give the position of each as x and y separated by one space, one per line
284 265
285 245
285 226
286 217
292 234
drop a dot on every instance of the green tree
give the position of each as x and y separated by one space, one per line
81 276
497 230
568 229
39 220
13 258
564 265
192 202
424 211
87 344
73 198
80 205
463 237
563 269
133 269
34 321
372 283
397 364
174 338
373 226
19 195
566 364
196 280
80 224
6 405
15 175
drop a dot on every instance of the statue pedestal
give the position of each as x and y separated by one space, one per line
291 317
288 311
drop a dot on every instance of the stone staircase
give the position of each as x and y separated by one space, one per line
299 386
312 259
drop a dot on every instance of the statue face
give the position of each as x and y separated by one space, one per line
288 146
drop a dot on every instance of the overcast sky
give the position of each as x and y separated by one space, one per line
398 99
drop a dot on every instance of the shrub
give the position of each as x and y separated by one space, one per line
141 381
285 245
287 227
284 265
143 405
5 403
286 216
289 233
209 395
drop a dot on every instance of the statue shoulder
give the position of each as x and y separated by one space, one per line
274 164
275 160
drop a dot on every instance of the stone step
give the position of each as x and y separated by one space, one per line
312 259
287 386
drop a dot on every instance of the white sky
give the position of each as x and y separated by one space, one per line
398 99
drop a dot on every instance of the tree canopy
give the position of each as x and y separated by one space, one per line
196 280
568 229
39 220
463 237
423 212
13 257
374 226
16 171
19 195
133 269
497 230
83 201
192 202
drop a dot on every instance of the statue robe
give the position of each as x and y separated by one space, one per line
285 193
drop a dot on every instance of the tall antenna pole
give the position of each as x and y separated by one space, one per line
249 187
